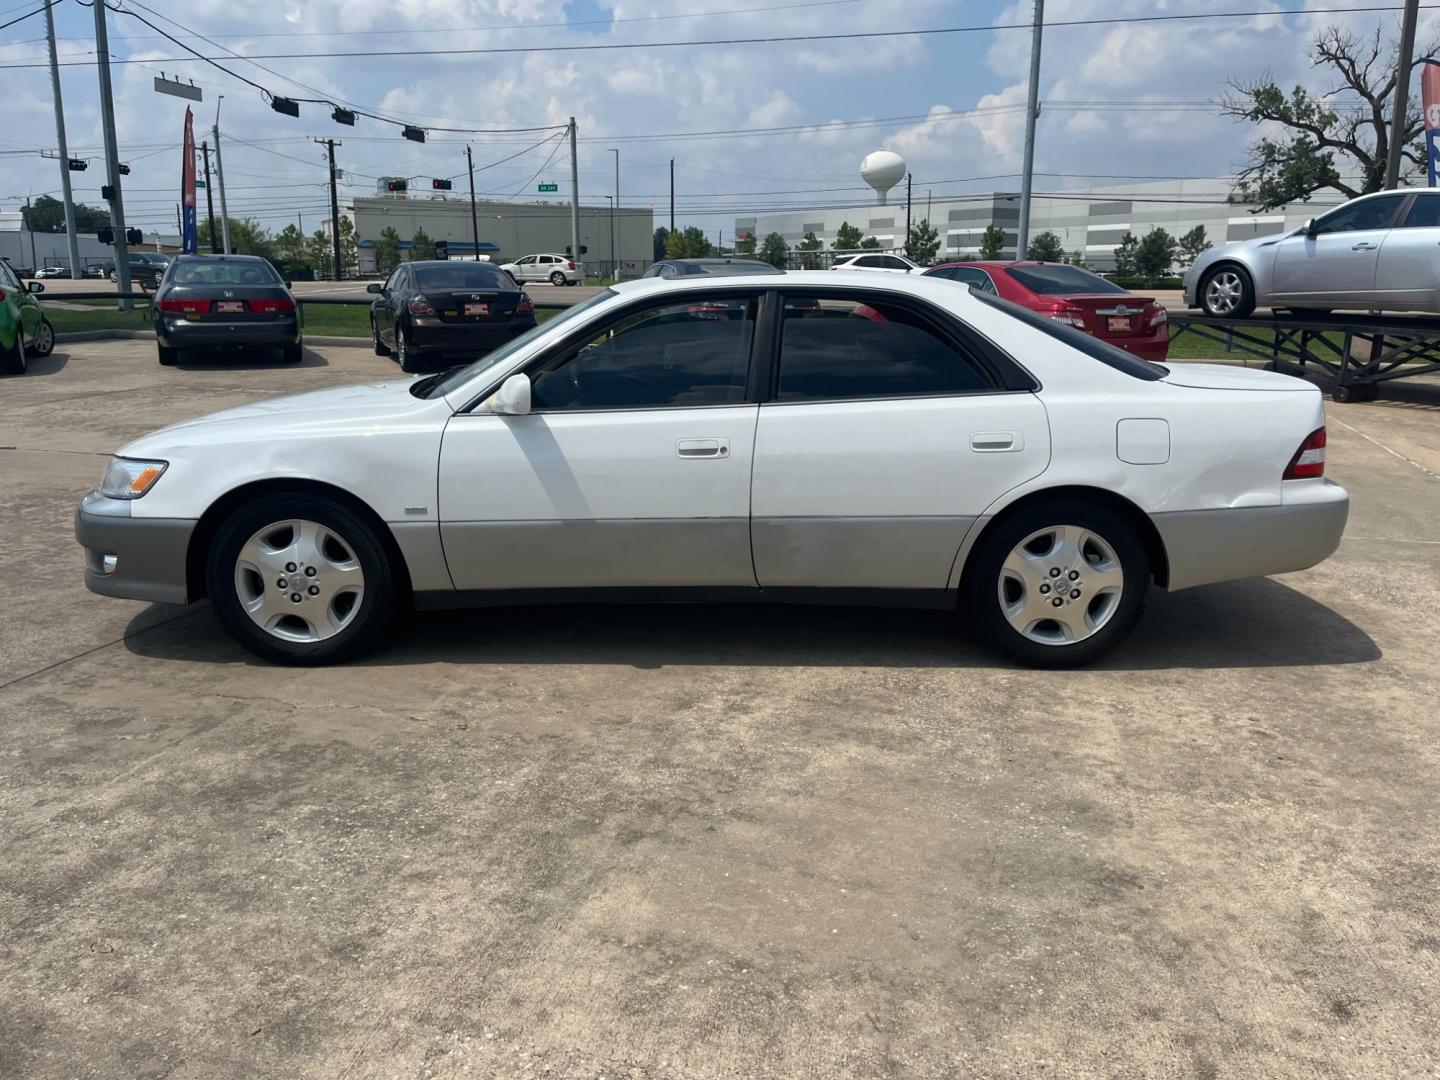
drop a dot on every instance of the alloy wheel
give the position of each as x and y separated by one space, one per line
1061 584
44 339
299 580
1223 292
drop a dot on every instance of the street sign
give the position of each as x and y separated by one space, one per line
175 88
549 187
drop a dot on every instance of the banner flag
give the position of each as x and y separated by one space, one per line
189 244
1430 100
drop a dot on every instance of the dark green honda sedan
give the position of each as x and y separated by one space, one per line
24 330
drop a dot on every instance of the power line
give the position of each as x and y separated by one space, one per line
30 14
869 35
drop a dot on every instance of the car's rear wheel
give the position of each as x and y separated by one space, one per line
381 349
168 356
403 353
44 339
301 580
293 354
557 278
1059 583
1227 293
12 361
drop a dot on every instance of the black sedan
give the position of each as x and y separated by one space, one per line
717 267
224 302
434 308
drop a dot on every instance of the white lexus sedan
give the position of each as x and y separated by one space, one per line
822 437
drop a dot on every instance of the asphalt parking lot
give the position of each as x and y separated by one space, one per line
677 842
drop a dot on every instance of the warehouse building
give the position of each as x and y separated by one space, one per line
508 230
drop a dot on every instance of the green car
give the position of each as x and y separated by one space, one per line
24 331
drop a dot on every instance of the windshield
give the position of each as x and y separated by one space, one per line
462 276
443 383
257 272
1058 280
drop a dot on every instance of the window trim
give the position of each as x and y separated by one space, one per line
1400 208
1006 375
589 331
1409 208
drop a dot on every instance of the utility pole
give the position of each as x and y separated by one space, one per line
30 227
330 145
71 236
1032 113
611 200
575 202
112 156
220 178
615 209
907 213
474 220
672 194
209 198
1402 91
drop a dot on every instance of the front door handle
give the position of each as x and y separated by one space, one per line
997 442
1363 246
703 448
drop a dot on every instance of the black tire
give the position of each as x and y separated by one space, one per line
987 583
557 279
293 354
404 355
44 339
1243 303
12 361
114 276
1351 393
367 624
381 349
168 356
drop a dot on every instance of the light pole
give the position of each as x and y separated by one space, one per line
1402 89
615 206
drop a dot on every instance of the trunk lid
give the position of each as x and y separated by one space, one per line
1231 377
1111 315
473 305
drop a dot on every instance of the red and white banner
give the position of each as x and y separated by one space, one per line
1430 102
189 241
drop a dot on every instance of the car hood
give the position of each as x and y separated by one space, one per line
341 410
1232 377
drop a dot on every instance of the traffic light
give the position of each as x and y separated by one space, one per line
78 164
397 185
583 249
105 235
343 116
134 236
441 185
107 192
442 249
124 169
285 105
414 134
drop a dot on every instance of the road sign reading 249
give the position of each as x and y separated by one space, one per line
549 187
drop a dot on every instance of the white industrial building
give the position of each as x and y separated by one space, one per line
26 250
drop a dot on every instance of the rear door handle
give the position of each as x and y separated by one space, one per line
1363 246
703 448
997 442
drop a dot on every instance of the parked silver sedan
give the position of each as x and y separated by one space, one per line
1379 252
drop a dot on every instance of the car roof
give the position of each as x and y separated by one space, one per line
830 279
453 262
1003 264
215 258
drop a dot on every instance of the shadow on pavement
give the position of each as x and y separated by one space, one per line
46 365
1258 623
244 359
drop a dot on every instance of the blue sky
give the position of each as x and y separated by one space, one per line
274 170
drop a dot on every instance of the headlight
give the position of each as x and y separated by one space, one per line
128 478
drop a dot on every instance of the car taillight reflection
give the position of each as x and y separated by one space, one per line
526 305
185 307
272 307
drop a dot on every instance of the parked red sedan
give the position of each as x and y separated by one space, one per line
1072 295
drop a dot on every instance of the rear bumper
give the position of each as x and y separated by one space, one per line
473 339
177 333
1206 546
129 557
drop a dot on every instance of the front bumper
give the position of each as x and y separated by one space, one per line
432 336
180 333
1206 546
1192 294
133 558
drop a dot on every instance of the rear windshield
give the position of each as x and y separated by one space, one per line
258 272
1055 280
462 276
1092 347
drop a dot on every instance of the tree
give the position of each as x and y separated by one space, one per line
247 237
1302 134
1155 255
775 251
992 242
661 235
924 242
810 243
1046 247
349 247
870 244
47 214
1193 244
697 244
847 237
1077 258
745 245
387 250
290 245
421 246
1125 254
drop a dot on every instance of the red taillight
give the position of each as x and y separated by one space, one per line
526 305
570 265
272 307
184 307
2 294
1158 317
420 306
1070 316
1309 460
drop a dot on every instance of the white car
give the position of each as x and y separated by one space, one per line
885 264
556 269
817 437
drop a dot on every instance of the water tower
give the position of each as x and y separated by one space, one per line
882 170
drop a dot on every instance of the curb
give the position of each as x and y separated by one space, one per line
145 335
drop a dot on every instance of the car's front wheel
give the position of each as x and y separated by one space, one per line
1061 582
1227 293
44 339
301 580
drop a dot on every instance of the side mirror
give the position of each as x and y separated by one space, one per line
1309 227
513 397
35 287
375 287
